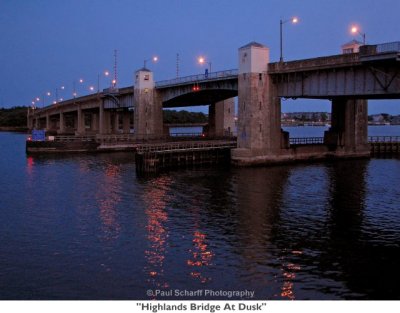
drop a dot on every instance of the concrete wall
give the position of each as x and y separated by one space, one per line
148 116
221 117
259 129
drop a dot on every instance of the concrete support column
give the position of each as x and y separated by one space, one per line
260 138
148 116
211 129
349 131
101 119
95 122
223 117
29 119
47 121
106 122
80 127
126 122
116 122
61 128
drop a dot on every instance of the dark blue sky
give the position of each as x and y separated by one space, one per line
49 43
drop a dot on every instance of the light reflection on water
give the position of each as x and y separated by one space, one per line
85 227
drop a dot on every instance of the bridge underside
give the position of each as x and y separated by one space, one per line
364 80
201 97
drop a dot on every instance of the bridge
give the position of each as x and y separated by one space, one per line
348 80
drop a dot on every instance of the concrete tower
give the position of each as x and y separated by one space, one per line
148 118
259 110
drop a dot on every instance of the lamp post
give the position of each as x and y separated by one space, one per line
202 60
294 20
356 30
154 59
106 73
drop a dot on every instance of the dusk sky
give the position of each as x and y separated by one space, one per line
46 44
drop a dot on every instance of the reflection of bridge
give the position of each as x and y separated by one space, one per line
348 80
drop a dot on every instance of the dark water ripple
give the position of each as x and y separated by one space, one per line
86 227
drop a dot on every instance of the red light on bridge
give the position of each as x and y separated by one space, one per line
196 88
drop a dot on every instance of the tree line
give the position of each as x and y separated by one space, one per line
13 117
16 117
184 117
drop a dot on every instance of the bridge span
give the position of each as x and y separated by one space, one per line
348 80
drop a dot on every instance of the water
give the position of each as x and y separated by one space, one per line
318 131
306 131
86 227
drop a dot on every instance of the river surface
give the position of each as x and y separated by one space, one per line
87 227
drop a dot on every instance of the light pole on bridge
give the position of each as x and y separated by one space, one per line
356 30
202 60
154 59
294 20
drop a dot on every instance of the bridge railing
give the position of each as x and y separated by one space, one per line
308 64
320 140
373 139
192 145
306 140
196 78
388 47
72 138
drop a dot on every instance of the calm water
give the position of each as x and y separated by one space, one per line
86 227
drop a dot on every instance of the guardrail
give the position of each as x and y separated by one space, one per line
388 47
180 146
197 78
306 140
73 138
115 138
309 64
373 139
186 134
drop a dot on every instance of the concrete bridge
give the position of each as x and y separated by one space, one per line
348 80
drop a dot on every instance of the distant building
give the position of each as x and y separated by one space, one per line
377 118
395 120
351 47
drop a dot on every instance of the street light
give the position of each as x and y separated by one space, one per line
355 30
294 20
105 73
202 60
74 93
154 59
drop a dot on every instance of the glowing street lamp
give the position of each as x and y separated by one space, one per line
154 59
293 20
356 31
202 60
105 73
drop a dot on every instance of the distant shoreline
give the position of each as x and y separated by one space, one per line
13 129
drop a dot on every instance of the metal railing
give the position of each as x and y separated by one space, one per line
74 138
388 47
115 138
186 134
387 139
196 78
185 146
308 64
306 140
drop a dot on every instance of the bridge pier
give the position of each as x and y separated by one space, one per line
221 118
148 116
259 137
348 134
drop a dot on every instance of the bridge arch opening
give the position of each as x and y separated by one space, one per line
306 117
